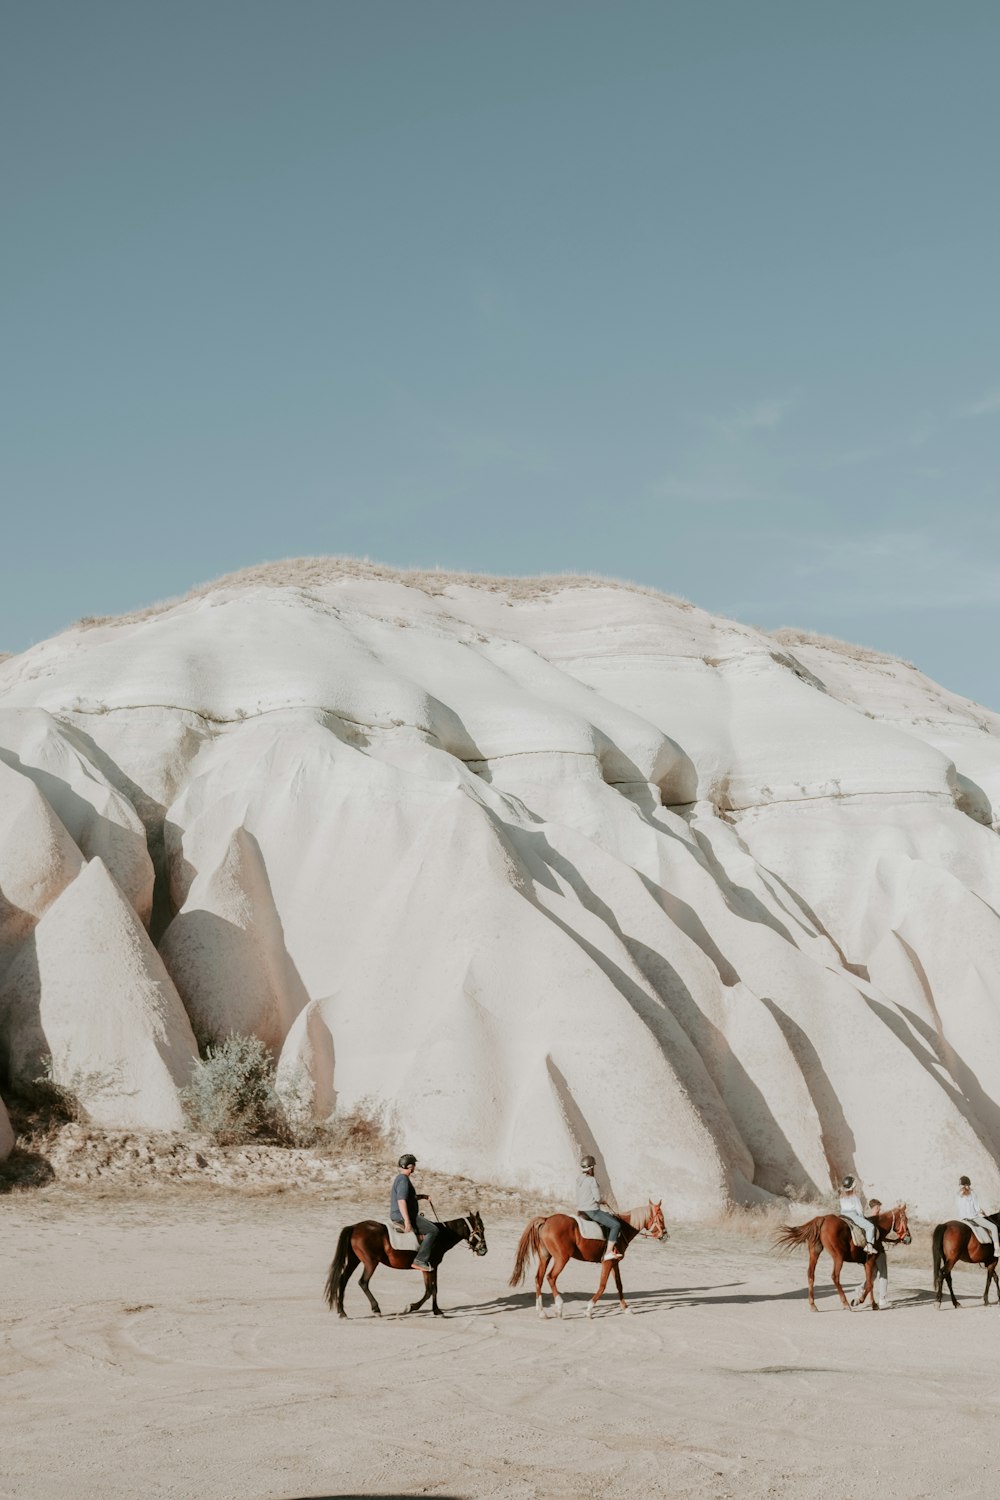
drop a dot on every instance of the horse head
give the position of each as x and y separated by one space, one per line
477 1234
899 1227
655 1224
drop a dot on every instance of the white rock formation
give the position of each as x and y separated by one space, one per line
535 866
89 992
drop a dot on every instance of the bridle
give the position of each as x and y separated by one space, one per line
476 1237
896 1228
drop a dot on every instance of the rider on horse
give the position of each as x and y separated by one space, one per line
968 1207
851 1208
590 1205
403 1210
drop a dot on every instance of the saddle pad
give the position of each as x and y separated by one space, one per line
982 1235
857 1233
589 1230
399 1239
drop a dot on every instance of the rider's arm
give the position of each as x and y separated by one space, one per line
404 1209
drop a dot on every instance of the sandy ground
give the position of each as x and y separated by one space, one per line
178 1346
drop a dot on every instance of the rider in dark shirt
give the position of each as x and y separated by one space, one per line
403 1210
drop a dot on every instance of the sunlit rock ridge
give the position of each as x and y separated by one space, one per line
539 865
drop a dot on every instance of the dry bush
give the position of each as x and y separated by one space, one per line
764 1221
41 1104
362 1131
231 1095
788 635
316 572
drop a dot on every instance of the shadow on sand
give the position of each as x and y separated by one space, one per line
654 1300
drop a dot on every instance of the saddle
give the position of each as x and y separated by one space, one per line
398 1237
982 1235
857 1233
589 1230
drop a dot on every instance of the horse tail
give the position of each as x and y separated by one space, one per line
793 1235
338 1265
938 1253
527 1245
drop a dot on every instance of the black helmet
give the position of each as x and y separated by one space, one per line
848 1182
586 1162
964 1182
408 1159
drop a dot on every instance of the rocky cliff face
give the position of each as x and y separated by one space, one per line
542 865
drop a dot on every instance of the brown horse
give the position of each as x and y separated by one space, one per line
955 1241
832 1233
368 1244
557 1239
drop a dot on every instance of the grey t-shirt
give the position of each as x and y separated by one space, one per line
588 1194
403 1188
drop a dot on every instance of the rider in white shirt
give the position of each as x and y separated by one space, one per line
851 1207
967 1206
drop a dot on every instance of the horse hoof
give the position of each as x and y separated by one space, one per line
590 1309
630 1311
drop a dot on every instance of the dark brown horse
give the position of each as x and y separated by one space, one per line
368 1244
831 1233
557 1239
955 1241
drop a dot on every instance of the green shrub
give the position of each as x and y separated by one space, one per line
231 1094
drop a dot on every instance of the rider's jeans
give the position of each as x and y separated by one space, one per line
862 1223
430 1231
607 1221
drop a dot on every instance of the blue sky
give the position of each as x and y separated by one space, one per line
703 295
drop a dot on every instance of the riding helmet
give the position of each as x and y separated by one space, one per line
586 1162
848 1182
965 1182
408 1160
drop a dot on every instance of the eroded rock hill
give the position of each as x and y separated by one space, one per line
539 864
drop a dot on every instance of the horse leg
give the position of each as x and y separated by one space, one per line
366 1276
558 1267
838 1261
618 1284
543 1259
428 1290
350 1266
949 1266
605 1273
434 1294
813 1258
992 1276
